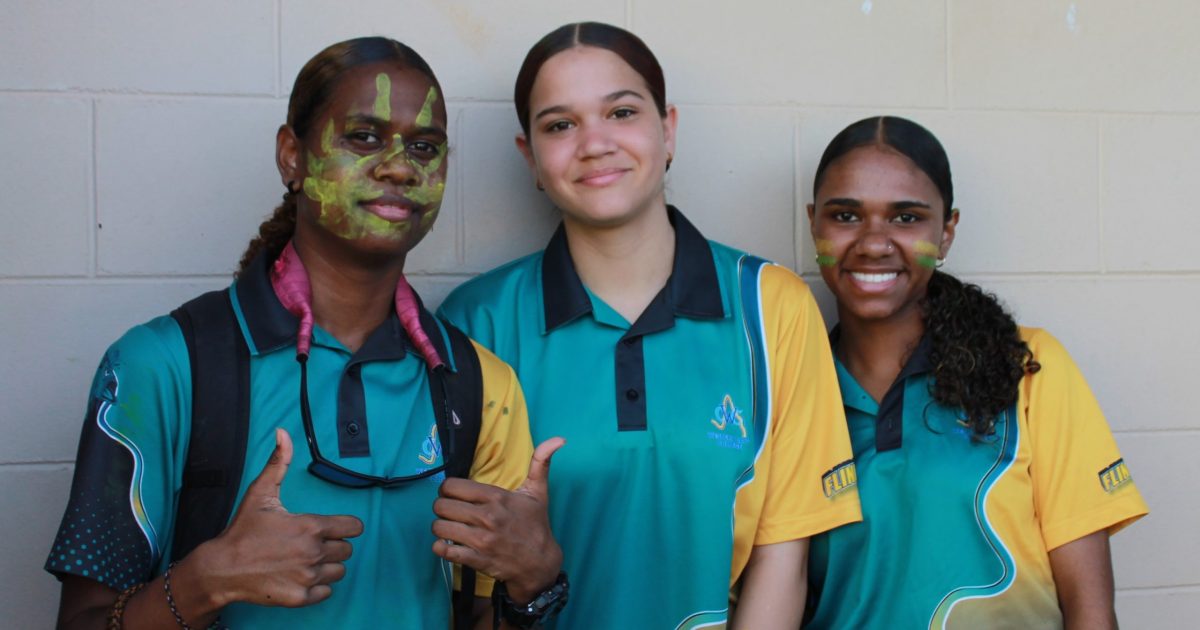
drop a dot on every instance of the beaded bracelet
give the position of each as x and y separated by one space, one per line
117 612
216 625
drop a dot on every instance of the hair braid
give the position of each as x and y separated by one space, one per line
274 233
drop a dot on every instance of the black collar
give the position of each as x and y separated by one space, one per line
889 433
692 290
269 326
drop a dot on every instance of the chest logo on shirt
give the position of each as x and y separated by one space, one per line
431 447
731 427
1115 476
839 479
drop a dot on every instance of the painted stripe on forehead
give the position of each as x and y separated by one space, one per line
383 96
425 118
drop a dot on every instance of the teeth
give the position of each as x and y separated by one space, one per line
874 278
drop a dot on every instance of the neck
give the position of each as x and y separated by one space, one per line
874 352
624 265
351 297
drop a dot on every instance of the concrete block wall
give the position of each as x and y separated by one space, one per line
139 138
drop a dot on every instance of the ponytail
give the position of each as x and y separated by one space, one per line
274 233
977 352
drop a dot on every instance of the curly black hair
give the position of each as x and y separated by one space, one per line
976 349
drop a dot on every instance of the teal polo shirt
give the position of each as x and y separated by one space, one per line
956 528
674 423
371 411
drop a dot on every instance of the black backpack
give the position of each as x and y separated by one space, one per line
220 365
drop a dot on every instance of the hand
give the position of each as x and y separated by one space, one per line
270 557
501 533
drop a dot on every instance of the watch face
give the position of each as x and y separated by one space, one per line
540 610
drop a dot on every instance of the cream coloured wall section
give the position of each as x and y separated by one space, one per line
140 140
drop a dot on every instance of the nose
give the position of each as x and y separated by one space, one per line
595 141
876 242
395 167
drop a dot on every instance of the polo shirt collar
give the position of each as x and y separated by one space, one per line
268 326
693 289
889 414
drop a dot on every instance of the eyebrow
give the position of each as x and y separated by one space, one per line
895 205
376 121
619 94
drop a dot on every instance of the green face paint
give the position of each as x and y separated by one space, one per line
927 254
825 257
383 97
340 180
425 118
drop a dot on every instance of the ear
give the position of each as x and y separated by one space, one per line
287 156
526 149
948 233
670 121
812 212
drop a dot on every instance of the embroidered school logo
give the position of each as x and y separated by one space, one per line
431 447
839 478
731 427
1115 476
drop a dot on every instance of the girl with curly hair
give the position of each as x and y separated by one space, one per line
989 479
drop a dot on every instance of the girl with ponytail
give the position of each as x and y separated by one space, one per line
989 479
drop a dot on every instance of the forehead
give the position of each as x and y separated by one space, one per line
583 73
877 173
405 90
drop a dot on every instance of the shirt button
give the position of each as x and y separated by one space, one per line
631 394
352 429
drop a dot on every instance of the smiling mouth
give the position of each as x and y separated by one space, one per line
602 177
874 278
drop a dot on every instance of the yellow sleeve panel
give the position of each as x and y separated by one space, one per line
505 446
1080 481
804 481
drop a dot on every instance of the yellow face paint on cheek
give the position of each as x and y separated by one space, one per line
339 183
927 254
825 257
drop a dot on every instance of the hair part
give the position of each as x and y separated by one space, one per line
314 88
901 135
626 45
976 349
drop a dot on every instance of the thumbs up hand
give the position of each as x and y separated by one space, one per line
505 534
271 557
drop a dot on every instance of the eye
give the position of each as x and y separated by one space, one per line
843 216
623 112
906 217
424 150
559 126
363 138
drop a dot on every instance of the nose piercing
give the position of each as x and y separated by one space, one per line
891 248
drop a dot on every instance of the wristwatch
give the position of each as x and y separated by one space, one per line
540 610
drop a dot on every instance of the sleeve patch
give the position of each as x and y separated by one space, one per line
1114 476
839 479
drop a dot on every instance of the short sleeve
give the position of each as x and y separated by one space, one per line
811 483
1081 482
118 519
505 447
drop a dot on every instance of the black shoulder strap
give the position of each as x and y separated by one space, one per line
464 394
216 453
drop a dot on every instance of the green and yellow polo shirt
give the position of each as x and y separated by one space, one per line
371 412
708 426
956 531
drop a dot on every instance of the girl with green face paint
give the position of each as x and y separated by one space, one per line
377 172
363 158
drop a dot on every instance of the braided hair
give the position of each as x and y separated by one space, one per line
976 350
314 88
